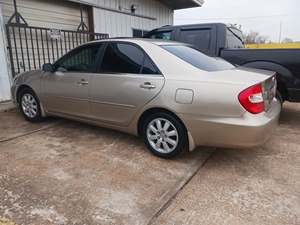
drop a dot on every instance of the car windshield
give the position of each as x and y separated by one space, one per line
196 58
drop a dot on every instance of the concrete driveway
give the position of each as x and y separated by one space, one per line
63 172
242 187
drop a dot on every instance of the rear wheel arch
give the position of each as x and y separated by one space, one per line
151 111
283 74
163 141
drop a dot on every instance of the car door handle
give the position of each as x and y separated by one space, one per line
147 85
83 82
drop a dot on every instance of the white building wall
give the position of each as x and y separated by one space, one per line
46 13
109 17
4 72
118 24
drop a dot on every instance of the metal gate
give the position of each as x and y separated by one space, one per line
30 47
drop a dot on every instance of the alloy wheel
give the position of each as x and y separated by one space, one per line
162 135
29 105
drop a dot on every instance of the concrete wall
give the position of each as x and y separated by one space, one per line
4 72
150 14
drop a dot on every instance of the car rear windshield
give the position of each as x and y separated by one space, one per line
196 58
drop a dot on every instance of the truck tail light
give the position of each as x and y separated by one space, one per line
252 99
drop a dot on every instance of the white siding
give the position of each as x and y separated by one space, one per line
4 74
118 24
41 13
46 13
63 14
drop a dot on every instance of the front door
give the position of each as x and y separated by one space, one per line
66 91
125 82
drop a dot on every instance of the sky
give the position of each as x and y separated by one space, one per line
263 16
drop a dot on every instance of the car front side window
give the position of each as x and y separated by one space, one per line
80 60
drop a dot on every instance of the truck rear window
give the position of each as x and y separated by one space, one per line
197 58
165 35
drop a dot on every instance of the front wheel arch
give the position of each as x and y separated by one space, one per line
39 116
20 90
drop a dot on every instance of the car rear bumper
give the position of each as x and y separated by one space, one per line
244 132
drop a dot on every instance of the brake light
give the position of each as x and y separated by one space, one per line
252 99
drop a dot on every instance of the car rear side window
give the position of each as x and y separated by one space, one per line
148 67
122 58
196 58
128 59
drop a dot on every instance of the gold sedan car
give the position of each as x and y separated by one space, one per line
169 93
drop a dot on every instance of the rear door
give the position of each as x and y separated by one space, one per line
66 90
126 80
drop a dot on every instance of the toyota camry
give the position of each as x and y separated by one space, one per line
169 93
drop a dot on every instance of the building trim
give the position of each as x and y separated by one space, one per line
114 10
5 73
174 4
180 4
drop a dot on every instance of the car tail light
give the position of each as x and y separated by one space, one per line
252 99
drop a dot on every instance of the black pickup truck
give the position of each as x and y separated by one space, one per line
220 40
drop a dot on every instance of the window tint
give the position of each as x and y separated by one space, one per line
148 67
165 35
122 58
81 60
198 37
197 58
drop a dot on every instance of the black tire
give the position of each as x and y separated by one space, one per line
181 135
36 117
279 97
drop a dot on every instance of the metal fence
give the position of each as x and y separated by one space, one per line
30 47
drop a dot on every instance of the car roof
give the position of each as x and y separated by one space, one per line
139 40
168 27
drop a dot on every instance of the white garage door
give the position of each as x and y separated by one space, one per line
57 14
32 46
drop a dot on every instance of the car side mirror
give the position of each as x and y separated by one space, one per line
48 67
61 69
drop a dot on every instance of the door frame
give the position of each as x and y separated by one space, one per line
5 75
105 45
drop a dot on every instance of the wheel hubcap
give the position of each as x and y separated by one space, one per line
29 105
162 135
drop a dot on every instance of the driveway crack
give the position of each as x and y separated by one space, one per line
173 193
30 132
